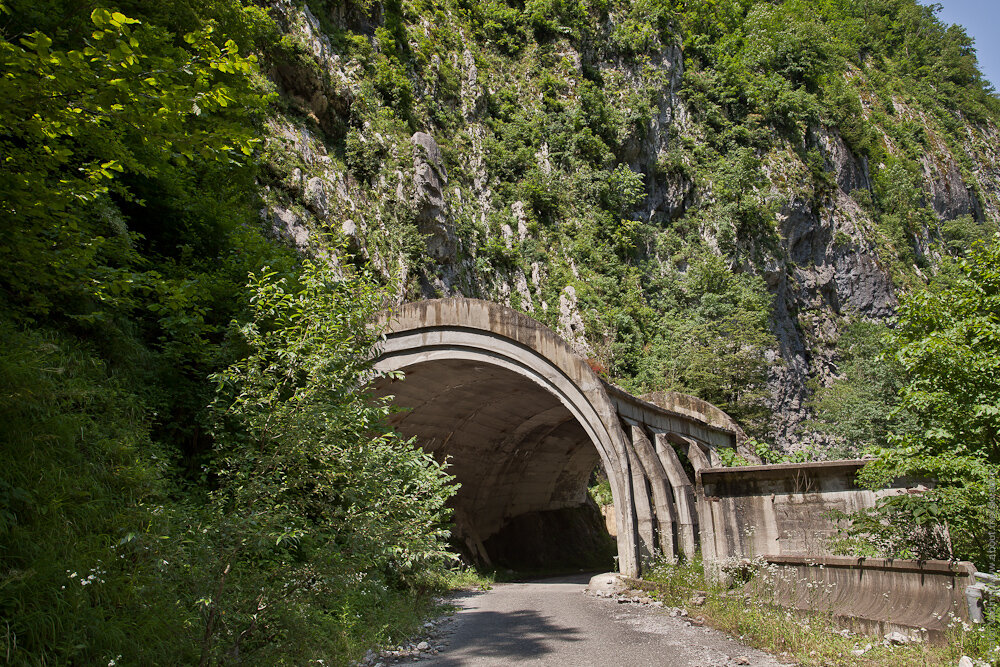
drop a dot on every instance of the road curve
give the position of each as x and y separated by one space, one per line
552 622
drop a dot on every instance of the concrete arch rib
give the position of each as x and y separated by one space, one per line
470 331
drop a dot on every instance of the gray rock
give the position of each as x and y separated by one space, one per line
602 585
316 197
571 323
896 637
851 171
429 180
289 226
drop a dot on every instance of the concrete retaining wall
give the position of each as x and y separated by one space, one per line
871 595
777 509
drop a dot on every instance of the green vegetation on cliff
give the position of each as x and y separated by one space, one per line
944 421
627 150
188 473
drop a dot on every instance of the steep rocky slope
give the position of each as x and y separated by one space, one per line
586 162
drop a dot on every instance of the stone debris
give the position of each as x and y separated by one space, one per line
431 643
858 652
741 660
612 586
605 585
636 597
897 638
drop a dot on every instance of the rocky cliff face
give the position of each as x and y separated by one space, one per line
425 170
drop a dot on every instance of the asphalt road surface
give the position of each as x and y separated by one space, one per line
552 622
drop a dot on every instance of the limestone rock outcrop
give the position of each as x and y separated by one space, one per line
484 231
429 182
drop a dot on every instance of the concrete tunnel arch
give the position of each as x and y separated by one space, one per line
500 384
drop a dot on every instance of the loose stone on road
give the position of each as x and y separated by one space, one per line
552 622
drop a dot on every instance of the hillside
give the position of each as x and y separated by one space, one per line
699 196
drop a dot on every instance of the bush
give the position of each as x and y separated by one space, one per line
948 345
320 511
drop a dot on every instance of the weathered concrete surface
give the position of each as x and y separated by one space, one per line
552 622
523 420
777 509
873 595
682 415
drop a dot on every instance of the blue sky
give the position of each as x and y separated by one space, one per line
981 20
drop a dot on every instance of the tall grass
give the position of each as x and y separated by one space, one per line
79 477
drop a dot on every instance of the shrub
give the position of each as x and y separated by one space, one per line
320 510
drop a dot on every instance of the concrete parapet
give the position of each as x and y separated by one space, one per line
777 509
869 595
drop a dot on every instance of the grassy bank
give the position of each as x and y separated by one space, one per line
812 640
401 616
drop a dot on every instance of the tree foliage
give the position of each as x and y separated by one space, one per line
74 122
712 339
863 407
947 343
138 525
315 495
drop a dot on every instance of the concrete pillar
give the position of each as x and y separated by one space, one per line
629 556
699 459
683 494
706 519
663 502
642 508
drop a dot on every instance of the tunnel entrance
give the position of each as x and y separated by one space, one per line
522 459
522 419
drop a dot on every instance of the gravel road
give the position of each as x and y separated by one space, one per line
552 622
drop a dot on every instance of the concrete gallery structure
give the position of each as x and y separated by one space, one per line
524 420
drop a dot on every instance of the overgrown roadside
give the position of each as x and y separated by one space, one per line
812 640
415 630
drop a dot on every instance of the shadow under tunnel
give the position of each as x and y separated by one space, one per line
521 457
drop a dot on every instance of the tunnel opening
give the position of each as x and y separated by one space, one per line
523 461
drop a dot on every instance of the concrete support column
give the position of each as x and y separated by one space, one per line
683 494
642 507
696 455
706 519
629 544
663 503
